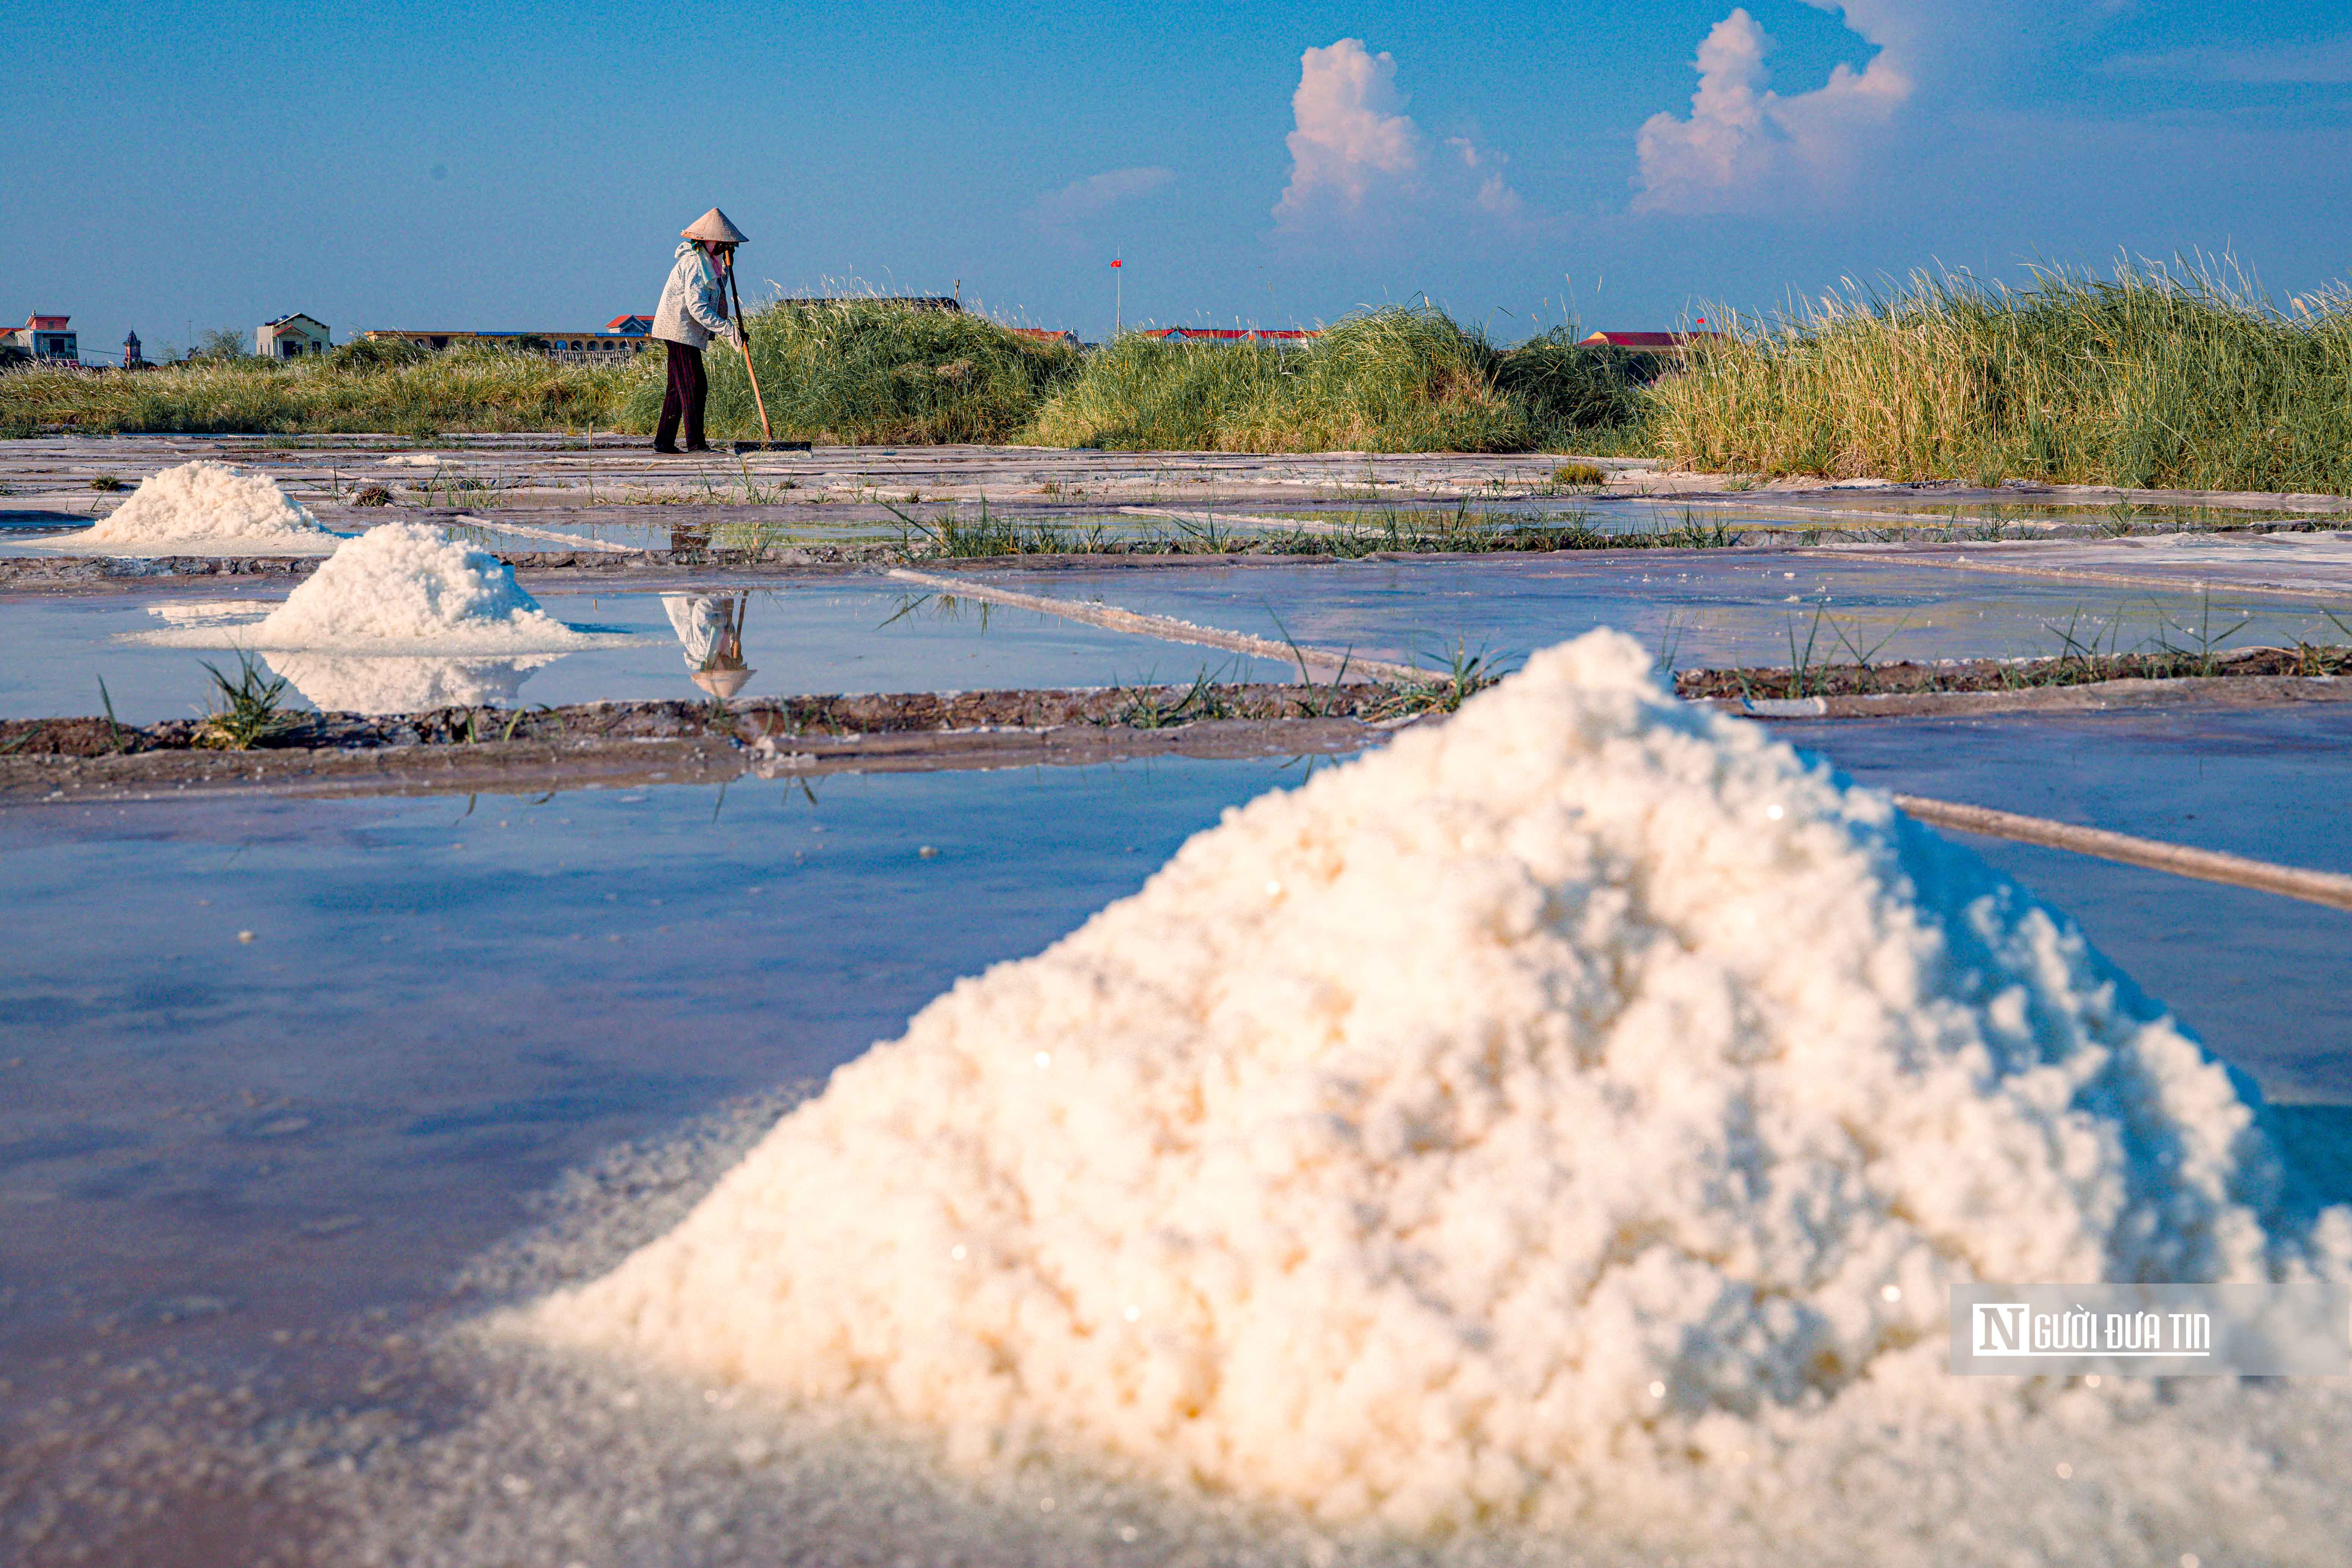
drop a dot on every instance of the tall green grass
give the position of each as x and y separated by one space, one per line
1395 380
1576 391
2157 378
356 391
866 372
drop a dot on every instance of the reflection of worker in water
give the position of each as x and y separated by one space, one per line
710 627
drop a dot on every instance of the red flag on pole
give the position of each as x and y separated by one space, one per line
1115 261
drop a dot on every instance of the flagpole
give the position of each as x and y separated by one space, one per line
1119 297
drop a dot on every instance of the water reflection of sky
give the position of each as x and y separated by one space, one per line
2258 976
864 634
1715 608
808 638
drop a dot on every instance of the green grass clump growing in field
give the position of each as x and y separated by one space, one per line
1403 379
866 371
2159 377
250 709
361 387
1573 390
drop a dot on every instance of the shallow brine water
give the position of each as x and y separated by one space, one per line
866 633
1717 608
801 638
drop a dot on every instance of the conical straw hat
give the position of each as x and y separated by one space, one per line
713 226
720 682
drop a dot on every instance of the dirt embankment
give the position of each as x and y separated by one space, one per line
457 750
1777 684
461 749
781 719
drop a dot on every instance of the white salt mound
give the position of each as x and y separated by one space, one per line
405 584
209 501
1573 1113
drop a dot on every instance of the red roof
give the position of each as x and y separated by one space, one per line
1652 341
621 323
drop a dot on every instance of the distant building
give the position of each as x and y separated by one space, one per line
131 358
44 337
1645 342
631 326
1232 335
291 337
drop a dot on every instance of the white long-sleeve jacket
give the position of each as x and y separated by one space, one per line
699 620
693 308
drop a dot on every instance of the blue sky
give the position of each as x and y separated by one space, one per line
527 165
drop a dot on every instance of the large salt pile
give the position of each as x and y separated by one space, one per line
408 586
205 503
1575 1112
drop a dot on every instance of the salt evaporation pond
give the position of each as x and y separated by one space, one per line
1713 607
447 1002
1568 1117
810 637
300 1152
2257 975
860 633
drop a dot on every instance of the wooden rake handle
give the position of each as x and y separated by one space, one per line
743 342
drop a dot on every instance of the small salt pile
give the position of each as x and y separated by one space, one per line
408 586
204 501
1573 1113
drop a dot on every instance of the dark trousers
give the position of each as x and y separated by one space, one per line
688 389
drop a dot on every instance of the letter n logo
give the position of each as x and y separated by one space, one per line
1997 1328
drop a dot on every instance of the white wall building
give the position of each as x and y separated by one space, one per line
291 337
44 337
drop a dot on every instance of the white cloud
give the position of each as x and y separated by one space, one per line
1746 146
1493 196
1350 139
1356 152
1062 214
2324 62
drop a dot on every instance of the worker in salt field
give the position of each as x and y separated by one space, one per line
709 627
693 311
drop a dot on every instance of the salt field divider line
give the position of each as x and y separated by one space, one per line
1165 627
578 541
2331 888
